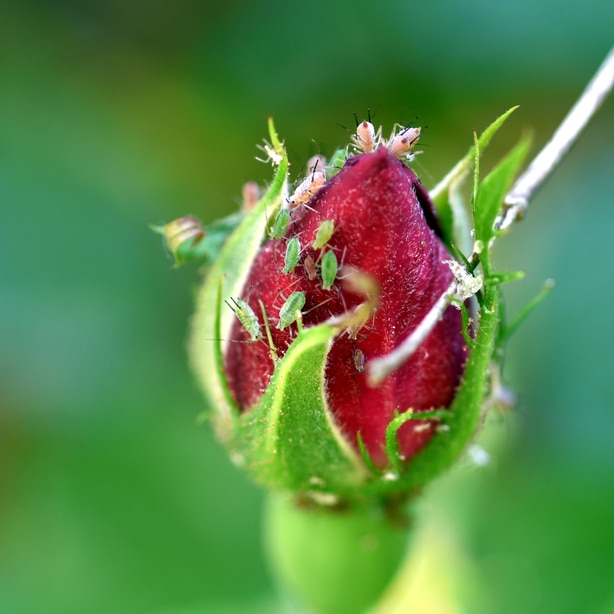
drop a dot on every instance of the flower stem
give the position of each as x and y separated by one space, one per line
517 200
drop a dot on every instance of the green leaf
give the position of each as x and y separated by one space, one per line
212 322
493 189
509 329
289 440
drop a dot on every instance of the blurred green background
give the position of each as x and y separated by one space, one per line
114 114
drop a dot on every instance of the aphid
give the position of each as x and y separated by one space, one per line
306 189
323 234
400 144
337 160
247 317
358 356
291 310
329 268
310 268
365 138
251 195
293 251
280 224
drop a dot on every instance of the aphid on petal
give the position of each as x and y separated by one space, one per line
310 268
247 317
399 145
358 357
280 224
290 311
329 268
366 139
323 234
306 189
293 251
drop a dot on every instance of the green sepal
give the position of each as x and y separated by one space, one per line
457 424
492 191
211 324
446 194
508 330
289 440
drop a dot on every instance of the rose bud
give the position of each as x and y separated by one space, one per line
382 224
309 289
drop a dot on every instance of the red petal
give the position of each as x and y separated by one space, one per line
384 226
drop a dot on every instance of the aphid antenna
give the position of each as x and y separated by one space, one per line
318 305
345 127
269 336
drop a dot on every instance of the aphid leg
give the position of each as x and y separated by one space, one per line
269 336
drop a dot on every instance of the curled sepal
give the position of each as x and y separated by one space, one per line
211 325
183 237
289 440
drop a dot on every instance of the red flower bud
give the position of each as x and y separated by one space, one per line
384 226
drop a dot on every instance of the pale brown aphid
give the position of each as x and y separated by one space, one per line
399 145
358 356
306 189
366 138
310 268
251 196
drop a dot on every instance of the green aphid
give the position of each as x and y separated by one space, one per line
247 317
280 224
336 162
293 251
328 269
291 310
323 234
